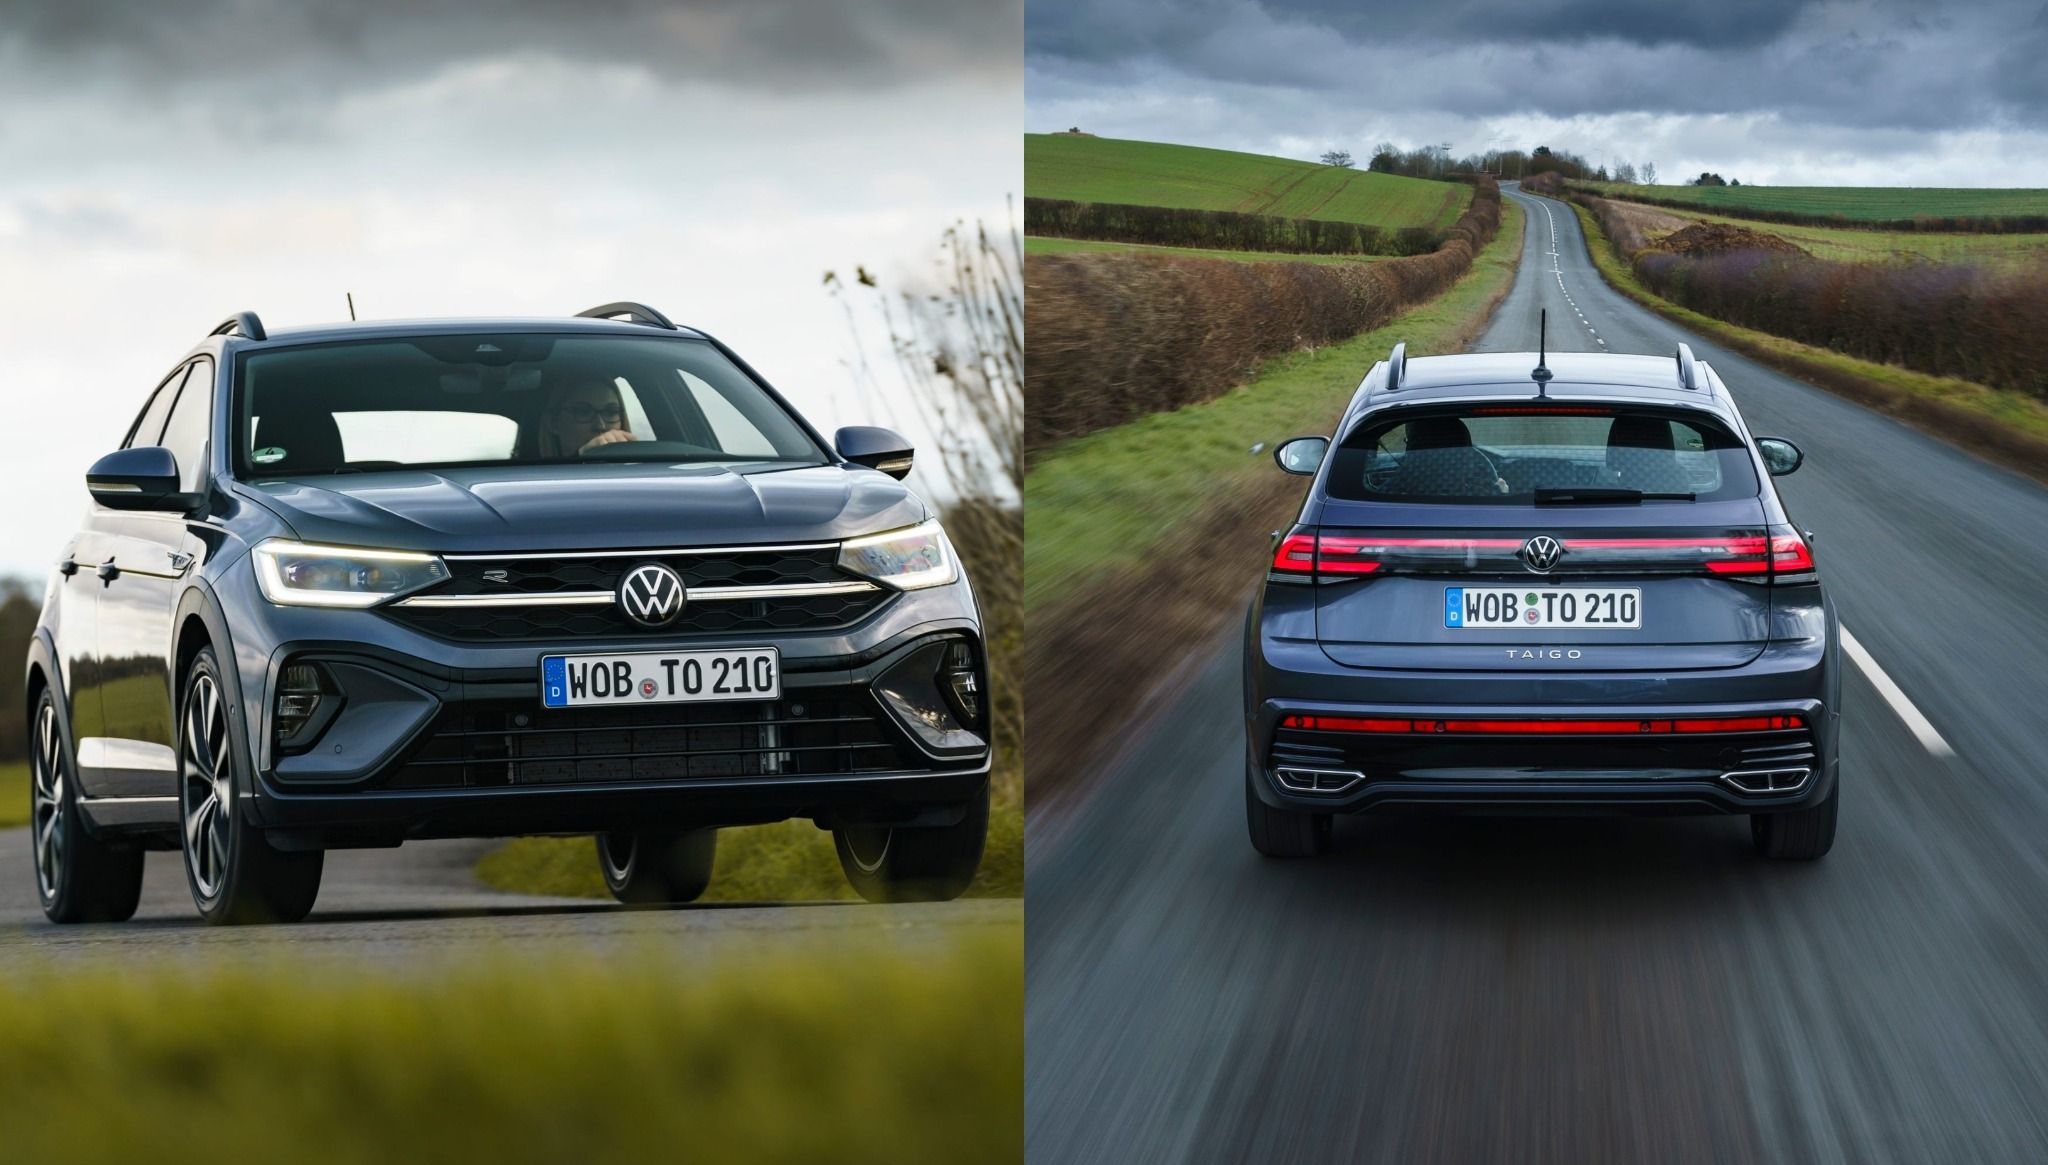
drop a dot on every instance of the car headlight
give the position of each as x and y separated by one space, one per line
294 574
907 559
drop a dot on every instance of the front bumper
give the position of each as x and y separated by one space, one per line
435 739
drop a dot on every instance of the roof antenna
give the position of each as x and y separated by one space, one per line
1540 373
351 305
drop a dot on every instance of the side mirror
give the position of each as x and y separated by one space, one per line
1302 455
1780 456
876 448
142 478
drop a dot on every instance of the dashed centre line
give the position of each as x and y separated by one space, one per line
1558 271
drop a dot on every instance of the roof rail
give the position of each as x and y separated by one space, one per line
1688 368
636 313
244 323
1397 365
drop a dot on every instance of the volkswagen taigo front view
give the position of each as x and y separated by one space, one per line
353 585
1570 588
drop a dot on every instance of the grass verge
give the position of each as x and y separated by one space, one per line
1046 245
2003 427
13 793
789 861
548 1057
1104 502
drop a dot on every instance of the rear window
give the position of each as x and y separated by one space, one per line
1509 454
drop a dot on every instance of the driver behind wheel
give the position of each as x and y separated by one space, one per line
582 415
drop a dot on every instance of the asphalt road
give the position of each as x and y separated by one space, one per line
1580 989
408 910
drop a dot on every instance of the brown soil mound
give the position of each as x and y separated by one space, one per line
1712 238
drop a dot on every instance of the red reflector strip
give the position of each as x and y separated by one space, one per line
1545 727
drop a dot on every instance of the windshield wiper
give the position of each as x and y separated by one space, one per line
1599 495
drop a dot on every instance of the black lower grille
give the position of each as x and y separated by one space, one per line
516 742
706 617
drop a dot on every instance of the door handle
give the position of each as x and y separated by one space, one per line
107 570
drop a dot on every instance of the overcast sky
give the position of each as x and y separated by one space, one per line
1774 91
163 165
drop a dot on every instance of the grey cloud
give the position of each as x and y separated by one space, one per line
1854 63
290 50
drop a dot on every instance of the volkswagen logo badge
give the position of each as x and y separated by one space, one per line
652 595
1542 552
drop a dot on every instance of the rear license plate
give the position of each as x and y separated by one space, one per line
661 677
1579 608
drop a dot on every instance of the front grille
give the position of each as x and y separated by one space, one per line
514 742
571 572
512 624
574 574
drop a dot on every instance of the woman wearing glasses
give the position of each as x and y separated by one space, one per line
582 415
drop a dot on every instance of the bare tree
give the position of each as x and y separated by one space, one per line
1337 158
1649 173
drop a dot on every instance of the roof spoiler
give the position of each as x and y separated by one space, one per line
243 323
635 313
1688 368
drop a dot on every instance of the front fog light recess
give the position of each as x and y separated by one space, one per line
306 701
935 693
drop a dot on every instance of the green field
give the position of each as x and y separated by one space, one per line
1089 169
2010 409
13 793
1109 500
1040 245
876 1053
789 861
1853 245
1867 203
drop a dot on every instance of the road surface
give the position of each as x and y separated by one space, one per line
1598 990
408 910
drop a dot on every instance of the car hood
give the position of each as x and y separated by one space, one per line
577 507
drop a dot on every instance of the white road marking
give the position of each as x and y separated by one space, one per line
1558 270
1916 723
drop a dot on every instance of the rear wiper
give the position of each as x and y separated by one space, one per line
1597 495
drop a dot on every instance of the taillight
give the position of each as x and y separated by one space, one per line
1749 556
1549 727
1347 554
1789 556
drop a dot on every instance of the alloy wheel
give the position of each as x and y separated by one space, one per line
208 795
46 802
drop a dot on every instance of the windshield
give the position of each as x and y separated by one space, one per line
1495 454
515 398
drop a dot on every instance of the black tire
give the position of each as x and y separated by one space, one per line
235 875
914 864
79 878
1798 835
1283 833
657 869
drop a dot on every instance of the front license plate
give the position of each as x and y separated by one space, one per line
660 677
1579 608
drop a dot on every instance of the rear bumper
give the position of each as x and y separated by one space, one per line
1648 772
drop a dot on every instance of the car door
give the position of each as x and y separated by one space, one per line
87 574
149 555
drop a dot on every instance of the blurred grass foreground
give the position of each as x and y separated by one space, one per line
556 1057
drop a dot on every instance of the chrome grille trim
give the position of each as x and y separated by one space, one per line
598 598
656 552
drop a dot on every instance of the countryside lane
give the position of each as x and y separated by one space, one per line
1574 990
